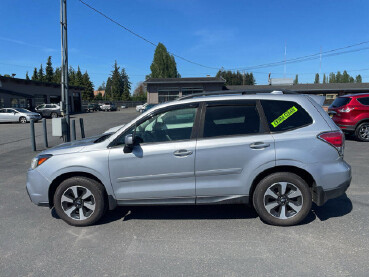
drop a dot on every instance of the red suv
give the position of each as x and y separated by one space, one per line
351 114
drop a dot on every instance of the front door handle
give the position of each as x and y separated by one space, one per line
182 153
259 145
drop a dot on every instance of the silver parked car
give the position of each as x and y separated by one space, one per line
18 115
279 153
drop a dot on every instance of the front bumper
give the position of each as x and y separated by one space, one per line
321 196
37 188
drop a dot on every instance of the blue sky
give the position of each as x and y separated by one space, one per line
227 34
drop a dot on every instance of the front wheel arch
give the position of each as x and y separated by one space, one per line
58 180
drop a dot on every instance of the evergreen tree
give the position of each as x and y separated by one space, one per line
236 78
88 91
40 74
332 78
117 84
126 85
102 86
34 76
163 64
351 79
108 89
27 77
71 76
99 96
79 78
57 76
338 77
49 76
358 79
345 77
296 81
316 81
324 79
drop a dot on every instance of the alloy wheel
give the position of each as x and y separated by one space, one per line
78 202
23 120
364 132
283 200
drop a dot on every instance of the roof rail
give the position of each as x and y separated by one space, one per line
242 92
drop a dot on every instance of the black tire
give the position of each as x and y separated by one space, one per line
97 199
23 120
262 198
362 132
54 115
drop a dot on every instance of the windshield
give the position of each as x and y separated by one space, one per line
340 101
22 110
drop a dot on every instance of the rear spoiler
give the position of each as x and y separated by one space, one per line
317 98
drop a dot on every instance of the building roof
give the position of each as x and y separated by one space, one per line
306 88
185 80
35 83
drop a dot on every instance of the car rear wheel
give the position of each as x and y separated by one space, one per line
22 120
79 201
282 199
362 131
54 115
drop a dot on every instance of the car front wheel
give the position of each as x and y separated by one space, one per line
79 201
22 120
282 199
54 115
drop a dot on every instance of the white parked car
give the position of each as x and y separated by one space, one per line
108 106
141 107
18 115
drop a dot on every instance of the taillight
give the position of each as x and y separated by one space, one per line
336 139
345 110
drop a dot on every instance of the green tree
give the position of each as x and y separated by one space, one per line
332 77
27 77
88 91
358 79
40 74
296 81
345 77
163 64
102 86
99 96
117 84
338 77
34 76
79 78
126 85
71 76
108 94
49 75
316 81
324 79
57 76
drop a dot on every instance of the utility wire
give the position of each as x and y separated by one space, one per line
141 37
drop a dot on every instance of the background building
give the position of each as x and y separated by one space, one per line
21 93
163 90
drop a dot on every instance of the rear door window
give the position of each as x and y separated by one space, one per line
230 120
285 115
364 101
340 101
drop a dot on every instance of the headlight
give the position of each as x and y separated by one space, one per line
39 160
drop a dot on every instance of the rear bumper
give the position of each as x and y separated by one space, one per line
349 128
321 196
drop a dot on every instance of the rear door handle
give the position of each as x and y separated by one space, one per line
259 145
182 153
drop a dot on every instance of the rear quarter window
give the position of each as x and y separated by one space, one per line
340 101
285 115
364 101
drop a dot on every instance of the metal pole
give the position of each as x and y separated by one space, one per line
65 88
33 139
82 127
45 132
74 137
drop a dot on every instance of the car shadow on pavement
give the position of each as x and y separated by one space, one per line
333 208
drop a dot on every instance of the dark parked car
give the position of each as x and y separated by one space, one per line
351 114
49 110
93 108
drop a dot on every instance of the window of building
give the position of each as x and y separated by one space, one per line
1 102
22 103
170 94
14 103
285 115
40 99
364 100
231 120
189 91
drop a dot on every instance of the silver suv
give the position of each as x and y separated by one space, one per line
279 153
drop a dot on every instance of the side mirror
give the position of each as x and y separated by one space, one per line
128 141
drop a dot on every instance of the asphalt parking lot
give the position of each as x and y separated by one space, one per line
176 241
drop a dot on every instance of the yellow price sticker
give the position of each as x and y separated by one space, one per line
284 116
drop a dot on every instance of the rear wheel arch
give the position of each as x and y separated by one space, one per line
58 180
306 176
